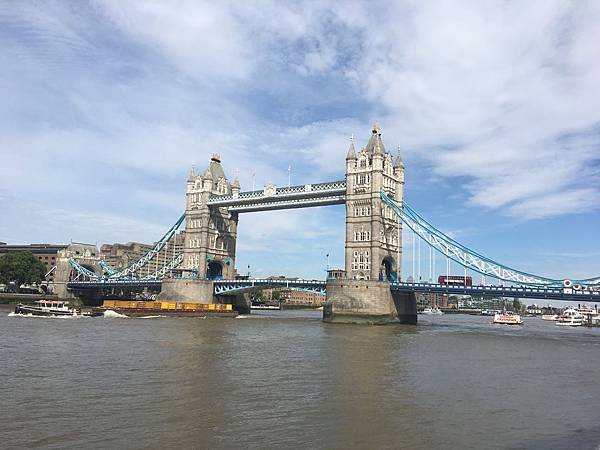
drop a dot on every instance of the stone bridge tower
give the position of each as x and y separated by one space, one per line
373 231
210 233
373 242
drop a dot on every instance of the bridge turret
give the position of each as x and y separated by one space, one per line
399 172
235 186
207 181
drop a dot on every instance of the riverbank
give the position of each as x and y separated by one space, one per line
9 298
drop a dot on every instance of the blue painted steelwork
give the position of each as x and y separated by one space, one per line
223 287
107 268
101 284
133 269
82 270
537 292
463 255
155 250
316 195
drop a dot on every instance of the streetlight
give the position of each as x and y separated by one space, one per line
248 270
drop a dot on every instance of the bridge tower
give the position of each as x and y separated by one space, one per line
373 231
373 242
210 233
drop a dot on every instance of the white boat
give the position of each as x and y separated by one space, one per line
591 316
571 318
432 311
507 319
552 317
265 306
46 308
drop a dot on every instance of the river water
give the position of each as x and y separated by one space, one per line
284 379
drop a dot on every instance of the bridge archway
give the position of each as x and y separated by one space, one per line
214 271
387 269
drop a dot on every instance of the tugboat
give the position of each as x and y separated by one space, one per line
51 308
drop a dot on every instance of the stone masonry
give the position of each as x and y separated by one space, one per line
373 231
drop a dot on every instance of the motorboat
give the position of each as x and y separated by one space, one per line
50 308
552 317
571 318
432 311
507 319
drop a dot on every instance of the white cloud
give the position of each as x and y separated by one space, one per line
488 90
116 101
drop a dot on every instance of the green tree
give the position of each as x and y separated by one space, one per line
256 294
516 305
22 268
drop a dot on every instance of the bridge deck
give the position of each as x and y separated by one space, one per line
223 287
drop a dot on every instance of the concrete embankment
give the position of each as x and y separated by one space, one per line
11 298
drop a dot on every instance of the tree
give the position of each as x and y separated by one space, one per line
256 294
516 305
21 268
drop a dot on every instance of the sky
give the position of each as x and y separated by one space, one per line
106 105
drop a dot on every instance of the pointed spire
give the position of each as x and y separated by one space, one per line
398 162
236 181
207 174
192 172
375 145
351 149
376 128
378 148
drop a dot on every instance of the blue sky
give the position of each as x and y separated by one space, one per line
106 105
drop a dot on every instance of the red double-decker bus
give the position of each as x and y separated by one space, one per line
455 280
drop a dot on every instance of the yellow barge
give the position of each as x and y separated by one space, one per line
179 309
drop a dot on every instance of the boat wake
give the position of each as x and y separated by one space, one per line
109 313
151 317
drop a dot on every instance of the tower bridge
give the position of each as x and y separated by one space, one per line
373 194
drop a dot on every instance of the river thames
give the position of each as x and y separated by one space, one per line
284 379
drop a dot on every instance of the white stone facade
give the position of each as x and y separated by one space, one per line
210 233
373 231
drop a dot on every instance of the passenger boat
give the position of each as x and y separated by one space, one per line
571 318
507 319
432 311
50 308
256 305
552 317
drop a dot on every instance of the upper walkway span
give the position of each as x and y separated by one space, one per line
272 198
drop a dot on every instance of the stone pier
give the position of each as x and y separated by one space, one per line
188 290
369 302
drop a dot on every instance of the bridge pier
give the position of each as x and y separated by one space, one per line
187 290
369 302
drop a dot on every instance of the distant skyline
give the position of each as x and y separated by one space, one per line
106 105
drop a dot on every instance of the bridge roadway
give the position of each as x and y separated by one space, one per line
224 287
